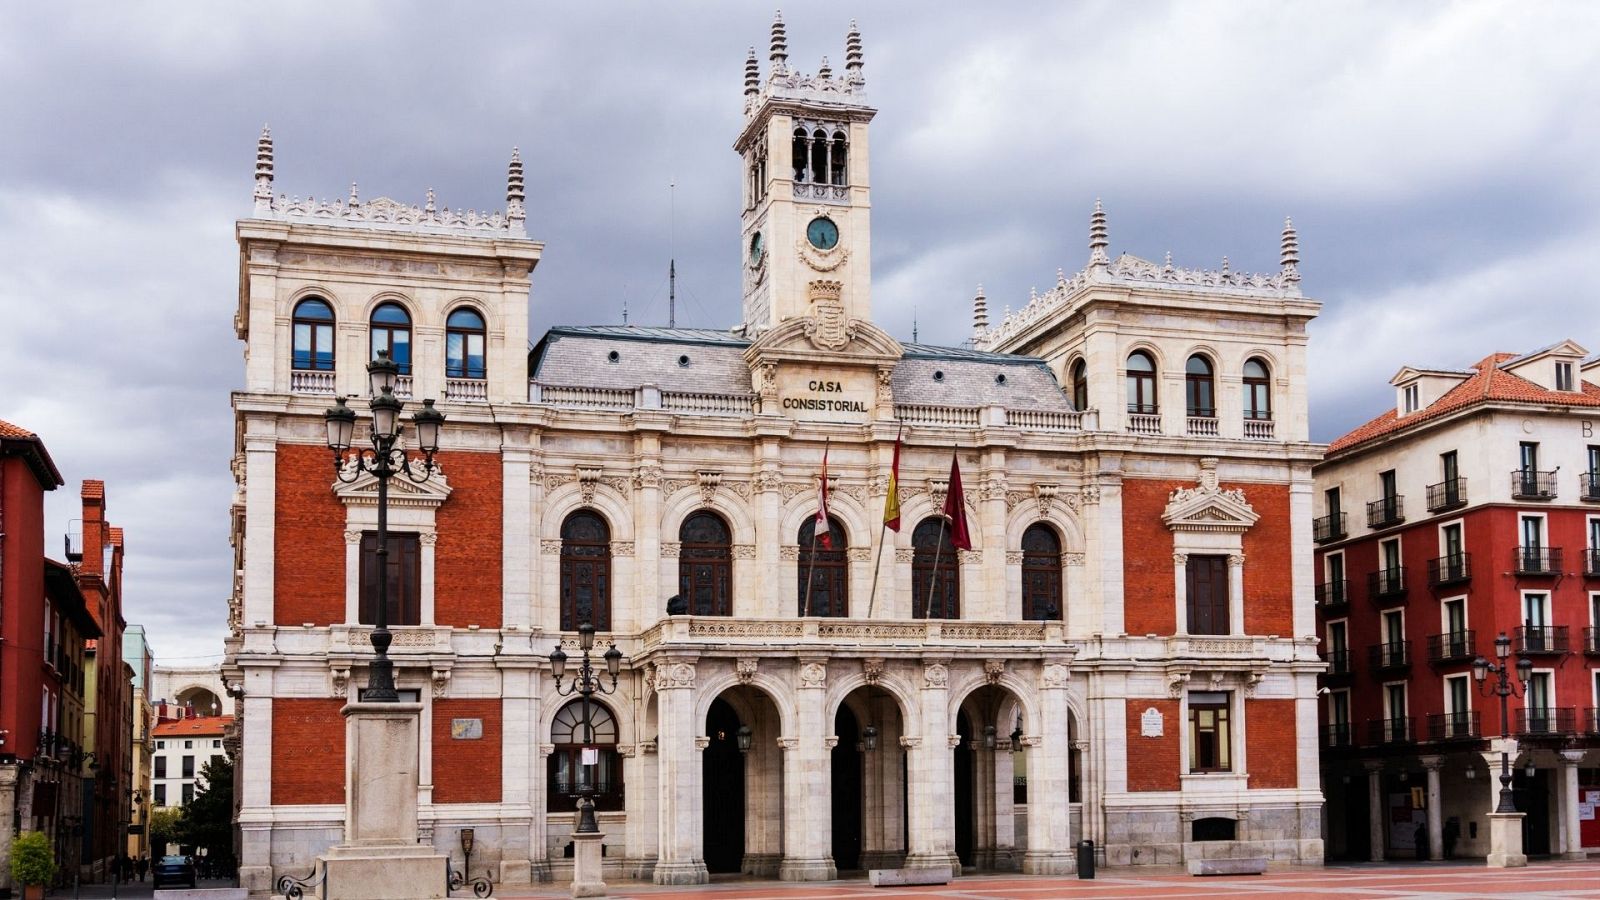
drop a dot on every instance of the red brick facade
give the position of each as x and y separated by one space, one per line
1268 562
1270 742
468 558
308 577
307 751
1153 761
466 771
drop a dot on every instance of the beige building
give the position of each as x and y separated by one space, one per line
1126 653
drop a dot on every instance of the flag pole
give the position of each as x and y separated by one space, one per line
810 568
933 577
822 512
877 564
893 493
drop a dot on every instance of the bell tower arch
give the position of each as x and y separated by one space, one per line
807 206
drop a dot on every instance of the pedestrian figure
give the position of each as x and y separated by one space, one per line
142 866
1452 833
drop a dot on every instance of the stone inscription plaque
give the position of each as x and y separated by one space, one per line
1151 724
837 395
466 729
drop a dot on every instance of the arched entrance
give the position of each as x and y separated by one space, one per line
870 798
742 784
987 787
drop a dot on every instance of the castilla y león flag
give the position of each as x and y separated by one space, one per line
955 509
891 503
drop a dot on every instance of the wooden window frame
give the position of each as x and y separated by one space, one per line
405 593
585 563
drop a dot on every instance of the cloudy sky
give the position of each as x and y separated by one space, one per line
1439 160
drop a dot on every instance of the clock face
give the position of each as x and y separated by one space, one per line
758 249
822 233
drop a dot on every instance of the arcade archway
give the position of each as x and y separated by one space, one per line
742 784
869 790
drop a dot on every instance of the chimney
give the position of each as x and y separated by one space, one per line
95 536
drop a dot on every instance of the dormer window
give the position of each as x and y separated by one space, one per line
1564 380
1411 401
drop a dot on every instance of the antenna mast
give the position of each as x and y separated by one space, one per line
672 261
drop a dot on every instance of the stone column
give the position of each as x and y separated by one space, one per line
1235 593
643 797
983 811
255 802
1049 780
648 592
1572 843
1432 765
682 858
520 528
517 741
768 504
932 788
764 800
1375 809
807 806
1505 829
1005 823
999 603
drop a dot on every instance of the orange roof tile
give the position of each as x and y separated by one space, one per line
193 726
1490 384
13 431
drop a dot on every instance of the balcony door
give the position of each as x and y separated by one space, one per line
1455 628
1536 621
1452 477
1207 594
1388 487
1394 637
1339 718
1457 707
1394 712
1541 703
1338 647
1452 551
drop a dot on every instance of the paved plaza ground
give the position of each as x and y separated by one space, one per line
1539 881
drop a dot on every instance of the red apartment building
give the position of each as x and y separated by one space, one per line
1469 510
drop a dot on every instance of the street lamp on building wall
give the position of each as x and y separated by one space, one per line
385 460
1504 688
586 684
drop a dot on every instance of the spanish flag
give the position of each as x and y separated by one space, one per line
891 503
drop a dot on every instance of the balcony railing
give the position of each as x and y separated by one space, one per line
466 390
1452 646
1337 736
1531 639
1393 730
1528 484
1387 585
1538 560
1386 512
1447 495
1450 570
1144 423
1258 430
1591 562
1333 595
1591 641
1338 660
1390 656
306 382
1328 528
1589 486
1547 721
1456 726
1202 426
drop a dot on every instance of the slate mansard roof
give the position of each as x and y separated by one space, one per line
703 360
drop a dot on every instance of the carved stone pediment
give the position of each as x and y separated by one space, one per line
402 491
827 331
1207 507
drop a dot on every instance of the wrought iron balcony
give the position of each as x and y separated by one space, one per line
1546 721
1393 730
1387 586
1591 562
1385 512
1528 484
1456 726
1452 646
1337 736
1589 486
1445 570
1541 639
1332 595
1538 560
1447 495
1591 641
1329 528
1390 657
1338 660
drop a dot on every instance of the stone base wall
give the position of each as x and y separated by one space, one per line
1160 836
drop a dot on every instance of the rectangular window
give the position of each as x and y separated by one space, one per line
1338 647
1396 726
188 745
1535 611
404 580
1455 627
1387 484
1533 533
1563 376
1413 397
161 767
161 745
1330 497
1591 474
188 766
1449 467
1209 744
1541 694
216 744
1336 578
1450 536
1391 555
188 793
1207 594
1528 459
1457 707
161 795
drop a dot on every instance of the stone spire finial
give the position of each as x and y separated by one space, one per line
852 55
516 192
825 70
355 197
1225 267
263 193
980 314
1097 237
1168 266
752 74
780 45
1289 257
430 208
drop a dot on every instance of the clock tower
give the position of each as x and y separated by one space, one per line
806 226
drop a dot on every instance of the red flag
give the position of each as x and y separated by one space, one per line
891 504
955 509
820 531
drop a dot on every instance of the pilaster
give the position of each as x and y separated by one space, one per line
1432 764
1049 779
682 853
932 788
807 773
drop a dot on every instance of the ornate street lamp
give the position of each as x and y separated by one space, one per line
869 738
744 738
385 460
1504 688
989 737
586 684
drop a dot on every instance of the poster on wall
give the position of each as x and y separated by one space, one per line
1403 821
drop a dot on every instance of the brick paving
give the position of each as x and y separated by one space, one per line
1540 881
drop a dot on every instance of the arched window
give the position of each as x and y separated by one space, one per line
585 571
584 725
705 565
1199 388
1257 390
800 155
1041 573
935 572
313 335
1141 383
391 333
819 156
830 576
463 344
1080 385
840 173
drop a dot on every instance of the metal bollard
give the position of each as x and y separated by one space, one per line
1086 859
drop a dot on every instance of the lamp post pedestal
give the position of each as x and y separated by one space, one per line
1505 841
587 880
379 858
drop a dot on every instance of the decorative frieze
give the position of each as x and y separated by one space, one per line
550 547
647 476
672 675
622 548
441 682
790 552
1013 557
744 551
669 549
857 554
904 554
